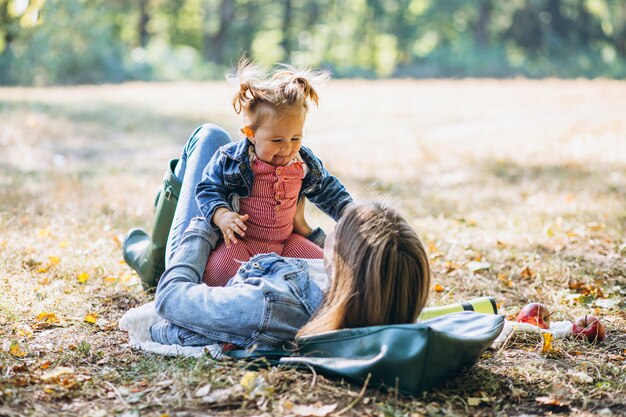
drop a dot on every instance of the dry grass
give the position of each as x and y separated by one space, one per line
515 173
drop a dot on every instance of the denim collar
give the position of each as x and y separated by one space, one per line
239 151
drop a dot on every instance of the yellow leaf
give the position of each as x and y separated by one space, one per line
53 260
46 317
3 244
439 288
63 244
43 233
547 342
16 350
82 277
247 381
91 318
44 281
109 279
528 273
43 268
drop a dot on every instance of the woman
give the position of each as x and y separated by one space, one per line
375 272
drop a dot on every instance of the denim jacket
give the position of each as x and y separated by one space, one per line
229 176
264 305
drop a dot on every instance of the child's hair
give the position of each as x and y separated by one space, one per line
261 95
381 272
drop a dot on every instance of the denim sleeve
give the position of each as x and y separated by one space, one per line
318 236
211 191
330 195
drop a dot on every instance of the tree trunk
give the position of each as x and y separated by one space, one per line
480 29
286 42
214 44
142 26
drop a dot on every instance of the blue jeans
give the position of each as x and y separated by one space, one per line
197 153
265 304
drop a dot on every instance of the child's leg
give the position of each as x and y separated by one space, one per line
297 246
197 153
222 264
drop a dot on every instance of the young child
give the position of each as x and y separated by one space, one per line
250 189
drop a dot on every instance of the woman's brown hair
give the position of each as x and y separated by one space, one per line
262 95
381 273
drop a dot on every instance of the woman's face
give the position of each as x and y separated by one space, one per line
277 142
329 251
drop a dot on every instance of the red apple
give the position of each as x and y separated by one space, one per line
590 327
536 314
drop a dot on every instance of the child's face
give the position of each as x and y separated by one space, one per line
278 141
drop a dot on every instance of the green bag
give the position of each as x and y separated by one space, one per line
410 357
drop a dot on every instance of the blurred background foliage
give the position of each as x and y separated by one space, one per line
90 41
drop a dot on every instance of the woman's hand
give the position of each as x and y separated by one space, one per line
230 223
300 226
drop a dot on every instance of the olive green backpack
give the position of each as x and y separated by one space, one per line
407 357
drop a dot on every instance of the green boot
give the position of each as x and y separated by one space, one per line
147 255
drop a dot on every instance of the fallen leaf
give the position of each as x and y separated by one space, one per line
439 288
476 266
315 410
580 377
109 279
43 233
547 342
552 401
64 244
255 385
203 391
16 350
473 401
91 318
82 277
223 395
53 260
451 266
594 227
56 373
527 273
45 319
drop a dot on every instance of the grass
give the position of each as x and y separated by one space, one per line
529 176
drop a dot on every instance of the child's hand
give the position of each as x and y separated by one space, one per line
300 226
230 223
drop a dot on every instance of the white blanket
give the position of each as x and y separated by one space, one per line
559 329
137 322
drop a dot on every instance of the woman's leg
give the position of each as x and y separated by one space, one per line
297 246
197 153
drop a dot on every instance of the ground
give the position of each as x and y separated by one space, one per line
526 177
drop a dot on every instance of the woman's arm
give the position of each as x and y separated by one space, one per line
325 190
301 226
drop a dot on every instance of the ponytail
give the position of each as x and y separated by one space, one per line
261 94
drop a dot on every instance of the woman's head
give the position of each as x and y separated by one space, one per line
380 271
274 108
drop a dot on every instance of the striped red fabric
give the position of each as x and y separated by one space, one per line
271 206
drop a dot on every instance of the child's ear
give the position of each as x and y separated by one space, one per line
248 132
